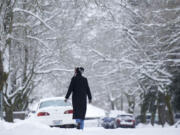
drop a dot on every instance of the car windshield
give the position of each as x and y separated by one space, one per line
108 119
51 103
124 117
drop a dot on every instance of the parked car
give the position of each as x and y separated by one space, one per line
109 122
177 117
177 124
55 112
100 121
125 120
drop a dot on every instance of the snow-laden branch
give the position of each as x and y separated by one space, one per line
160 89
33 14
6 101
1 42
43 65
126 61
39 40
4 94
20 89
173 60
21 24
111 97
109 73
134 91
68 48
173 50
103 56
53 70
175 40
96 62
167 9
164 73
55 13
98 53
156 79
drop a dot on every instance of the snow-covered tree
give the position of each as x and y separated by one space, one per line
20 25
129 49
156 38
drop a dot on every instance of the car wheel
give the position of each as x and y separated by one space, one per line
114 126
105 127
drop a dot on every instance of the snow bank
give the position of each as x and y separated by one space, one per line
30 127
150 126
93 111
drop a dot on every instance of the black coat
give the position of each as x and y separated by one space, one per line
80 90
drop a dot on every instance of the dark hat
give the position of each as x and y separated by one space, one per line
81 69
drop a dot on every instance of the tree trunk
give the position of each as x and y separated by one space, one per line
8 113
122 102
143 113
153 115
170 111
1 72
112 105
3 75
161 109
131 103
8 23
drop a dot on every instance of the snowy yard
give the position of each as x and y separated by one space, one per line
29 127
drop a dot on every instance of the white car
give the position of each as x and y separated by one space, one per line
55 112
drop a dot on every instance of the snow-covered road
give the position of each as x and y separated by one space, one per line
33 128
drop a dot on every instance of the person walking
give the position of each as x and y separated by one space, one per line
80 90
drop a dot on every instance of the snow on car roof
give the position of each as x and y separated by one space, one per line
52 98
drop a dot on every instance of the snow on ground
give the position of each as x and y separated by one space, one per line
30 127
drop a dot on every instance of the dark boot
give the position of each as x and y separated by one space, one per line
78 125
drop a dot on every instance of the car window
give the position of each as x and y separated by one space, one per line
148 117
177 115
53 103
125 117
